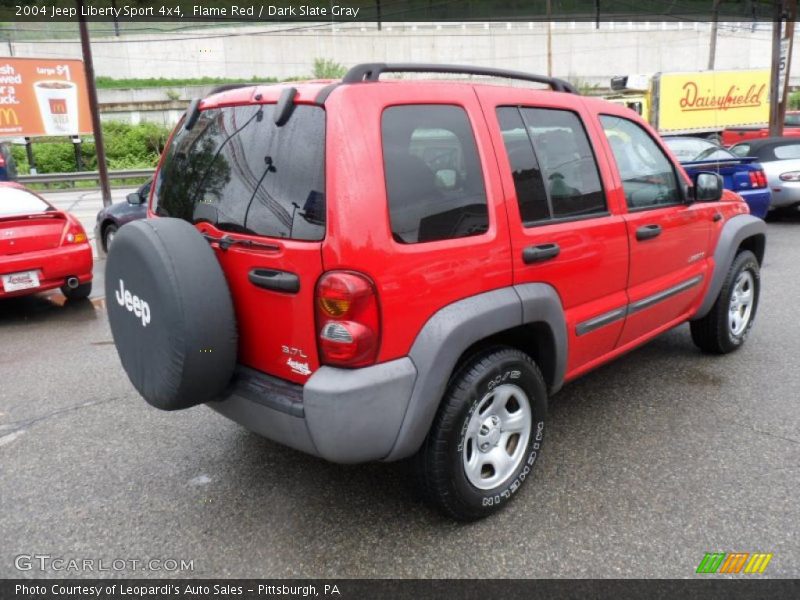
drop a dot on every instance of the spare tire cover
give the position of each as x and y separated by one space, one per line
170 312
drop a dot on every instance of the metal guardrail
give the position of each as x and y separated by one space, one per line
84 176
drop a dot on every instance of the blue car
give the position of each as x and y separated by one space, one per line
111 218
744 176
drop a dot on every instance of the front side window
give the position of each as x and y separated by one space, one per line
434 179
241 172
554 170
648 177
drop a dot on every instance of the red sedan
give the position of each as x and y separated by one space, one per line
41 248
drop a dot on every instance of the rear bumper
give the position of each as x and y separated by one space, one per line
54 266
758 201
341 415
786 194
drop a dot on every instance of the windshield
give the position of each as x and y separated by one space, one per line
14 201
239 171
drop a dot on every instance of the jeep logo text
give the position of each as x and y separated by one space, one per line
133 304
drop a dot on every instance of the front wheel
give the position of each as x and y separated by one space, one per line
726 326
109 233
487 435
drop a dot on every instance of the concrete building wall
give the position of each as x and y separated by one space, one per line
578 49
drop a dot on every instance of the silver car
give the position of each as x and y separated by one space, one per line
780 158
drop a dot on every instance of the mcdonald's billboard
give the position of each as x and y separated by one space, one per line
43 97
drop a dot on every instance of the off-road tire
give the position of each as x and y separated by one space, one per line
713 333
440 464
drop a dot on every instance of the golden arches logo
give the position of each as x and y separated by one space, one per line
8 116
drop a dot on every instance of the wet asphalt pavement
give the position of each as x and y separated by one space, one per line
649 463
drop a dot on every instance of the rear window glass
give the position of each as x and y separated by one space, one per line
789 151
741 150
434 181
239 171
14 201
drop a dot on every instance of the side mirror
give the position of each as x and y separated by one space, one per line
707 187
134 198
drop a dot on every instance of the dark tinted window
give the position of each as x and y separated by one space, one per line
238 170
528 180
555 173
648 176
434 182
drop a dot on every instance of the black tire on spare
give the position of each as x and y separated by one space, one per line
170 312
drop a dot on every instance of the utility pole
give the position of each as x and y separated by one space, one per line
712 50
789 37
549 39
775 124
94 107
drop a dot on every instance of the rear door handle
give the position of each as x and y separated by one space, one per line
540 252
717 217
647 232
277 281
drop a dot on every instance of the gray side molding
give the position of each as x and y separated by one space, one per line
451 331
733 233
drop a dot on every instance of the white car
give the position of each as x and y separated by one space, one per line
780 158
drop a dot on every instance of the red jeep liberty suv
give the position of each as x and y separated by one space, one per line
373 269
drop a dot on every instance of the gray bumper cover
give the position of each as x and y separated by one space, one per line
341 415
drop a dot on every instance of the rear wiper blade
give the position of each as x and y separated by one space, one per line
227 241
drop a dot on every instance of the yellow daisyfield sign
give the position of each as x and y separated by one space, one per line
711 100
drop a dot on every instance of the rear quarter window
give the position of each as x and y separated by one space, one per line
787 151
242 173
434 179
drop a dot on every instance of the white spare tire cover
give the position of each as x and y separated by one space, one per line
170 312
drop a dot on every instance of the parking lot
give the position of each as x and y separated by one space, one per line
649 463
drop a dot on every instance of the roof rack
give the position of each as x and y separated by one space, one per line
229 86
372 71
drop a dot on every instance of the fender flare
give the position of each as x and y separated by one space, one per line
733 233
456 327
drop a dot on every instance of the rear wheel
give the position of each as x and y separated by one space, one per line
726 326
486 437
79 293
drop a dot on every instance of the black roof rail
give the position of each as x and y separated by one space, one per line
230 86
372 72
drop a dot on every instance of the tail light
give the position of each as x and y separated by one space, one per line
348 320
758 179
74 233
790 176
2 161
